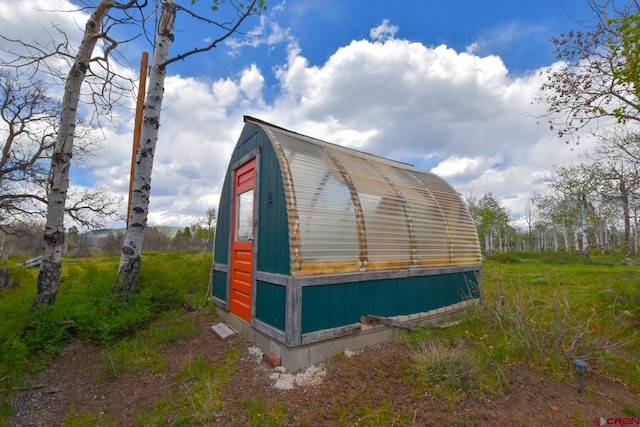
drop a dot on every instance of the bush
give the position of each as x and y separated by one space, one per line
540 322
447 371
46 334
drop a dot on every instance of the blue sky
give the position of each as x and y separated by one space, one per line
519 32
447 86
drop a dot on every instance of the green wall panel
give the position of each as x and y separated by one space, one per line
271 301
273 225
220 285
330 306
223 224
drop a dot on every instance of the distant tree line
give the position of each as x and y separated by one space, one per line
25 239
593 204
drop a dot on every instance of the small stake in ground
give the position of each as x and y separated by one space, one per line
581 367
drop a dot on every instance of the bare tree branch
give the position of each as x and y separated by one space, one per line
29 117
243 14
596 76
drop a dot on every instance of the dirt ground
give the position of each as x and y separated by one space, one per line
75 382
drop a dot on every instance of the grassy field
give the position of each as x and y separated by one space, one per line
86 309
541 309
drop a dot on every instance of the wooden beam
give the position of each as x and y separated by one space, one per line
137 127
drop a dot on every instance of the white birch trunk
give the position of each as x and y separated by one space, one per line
50 268
635 232
129 269
585 230
627 220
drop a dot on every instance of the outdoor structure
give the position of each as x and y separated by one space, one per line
312 236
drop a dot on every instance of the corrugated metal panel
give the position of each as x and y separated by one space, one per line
320 206
463 237
223 227
350 211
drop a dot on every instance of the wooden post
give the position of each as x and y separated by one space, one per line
137 127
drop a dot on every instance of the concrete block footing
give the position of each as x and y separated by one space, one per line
297 358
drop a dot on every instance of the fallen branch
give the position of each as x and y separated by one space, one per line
32 387
371 319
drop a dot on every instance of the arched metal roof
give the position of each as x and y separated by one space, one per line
349 211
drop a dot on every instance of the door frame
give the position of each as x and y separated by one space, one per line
253 154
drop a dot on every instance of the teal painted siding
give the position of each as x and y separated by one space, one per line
331 306
271 303
246 144
273 227
223 225
220 285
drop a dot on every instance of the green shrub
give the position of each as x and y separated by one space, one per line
548 315
449 372
46 333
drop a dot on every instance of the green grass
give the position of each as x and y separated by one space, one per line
368 415
197 396
585 311
131 355
141 352
87 309
80 419
540 309
631 411
262 415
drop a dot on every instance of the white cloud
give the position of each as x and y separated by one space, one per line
457 166
251 83
28 17
267 32
458 113
225 91
504 35
383 32
462 115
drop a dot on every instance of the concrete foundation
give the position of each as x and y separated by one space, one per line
304 356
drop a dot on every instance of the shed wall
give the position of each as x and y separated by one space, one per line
273 231
330 306
271 301
220 288
272 251
324 213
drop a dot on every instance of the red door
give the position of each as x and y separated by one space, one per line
242 241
